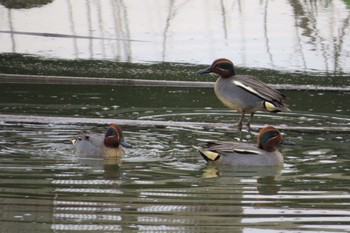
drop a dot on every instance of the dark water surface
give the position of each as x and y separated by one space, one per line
162 183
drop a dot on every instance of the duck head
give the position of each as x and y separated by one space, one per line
269 137
222 67
114 137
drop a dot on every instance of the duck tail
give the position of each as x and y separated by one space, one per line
275 106
73 140
207 154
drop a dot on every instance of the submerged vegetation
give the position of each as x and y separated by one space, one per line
18 4
32 65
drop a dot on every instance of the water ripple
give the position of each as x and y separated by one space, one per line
163 184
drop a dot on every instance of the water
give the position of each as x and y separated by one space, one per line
310 36
162 184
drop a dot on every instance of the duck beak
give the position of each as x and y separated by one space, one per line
285 142
124 143
204 71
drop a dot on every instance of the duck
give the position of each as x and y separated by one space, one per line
243 93
243 154
107 146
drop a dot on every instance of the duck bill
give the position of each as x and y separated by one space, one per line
125 144
204 71
286 142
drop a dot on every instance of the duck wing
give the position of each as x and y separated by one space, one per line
258 88
232 147
212 151
94 139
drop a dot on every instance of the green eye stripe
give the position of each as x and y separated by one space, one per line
268 135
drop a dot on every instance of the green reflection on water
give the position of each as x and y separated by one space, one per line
131 102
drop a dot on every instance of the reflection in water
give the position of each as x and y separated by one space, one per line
266 176
109 166
301 35
121 25
306 18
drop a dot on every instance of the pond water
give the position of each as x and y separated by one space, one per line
162 183
283 35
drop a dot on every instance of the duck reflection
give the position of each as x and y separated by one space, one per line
265 177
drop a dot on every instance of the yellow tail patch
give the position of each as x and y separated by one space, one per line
73 141
271 107
210 155
207 154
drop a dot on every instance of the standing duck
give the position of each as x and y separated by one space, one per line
108 146
242 154
243 93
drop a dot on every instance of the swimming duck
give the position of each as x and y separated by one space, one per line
99 146
242 154
243 93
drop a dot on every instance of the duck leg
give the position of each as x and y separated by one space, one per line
249 120
240 123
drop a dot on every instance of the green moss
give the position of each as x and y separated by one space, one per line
31 65
18 4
